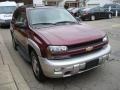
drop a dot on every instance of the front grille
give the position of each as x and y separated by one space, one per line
85 45
80 49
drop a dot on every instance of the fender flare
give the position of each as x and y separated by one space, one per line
34 46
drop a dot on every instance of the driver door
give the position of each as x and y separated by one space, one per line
103 14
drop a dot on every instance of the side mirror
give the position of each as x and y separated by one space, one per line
20 24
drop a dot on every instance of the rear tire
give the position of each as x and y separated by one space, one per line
92 18
36 67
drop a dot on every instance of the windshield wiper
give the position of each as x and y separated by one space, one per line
63 22
71 22
43 24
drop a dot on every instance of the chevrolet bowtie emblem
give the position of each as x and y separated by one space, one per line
89 49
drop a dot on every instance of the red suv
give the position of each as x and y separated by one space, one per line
57 44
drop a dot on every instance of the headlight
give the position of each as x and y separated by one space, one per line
105 39
57 49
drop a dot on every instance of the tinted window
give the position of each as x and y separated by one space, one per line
21 17
96 9
16 13
102 10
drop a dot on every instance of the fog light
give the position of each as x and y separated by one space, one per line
103 58
82 66
58 69
58 73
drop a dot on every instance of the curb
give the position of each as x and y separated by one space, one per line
7 60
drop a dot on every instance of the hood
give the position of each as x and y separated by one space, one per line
6 16
69 34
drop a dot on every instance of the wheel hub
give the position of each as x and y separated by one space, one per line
35 65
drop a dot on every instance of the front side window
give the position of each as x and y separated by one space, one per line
102 9
96 9
20 18
49 16
7 9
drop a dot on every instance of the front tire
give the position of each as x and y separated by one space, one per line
14 43
36 66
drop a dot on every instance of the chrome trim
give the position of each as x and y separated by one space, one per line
34 46
49 66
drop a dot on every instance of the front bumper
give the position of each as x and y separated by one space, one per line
69 67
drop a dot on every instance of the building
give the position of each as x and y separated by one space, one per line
92 3
116 1
19 1
62 3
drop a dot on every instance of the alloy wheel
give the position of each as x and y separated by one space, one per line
38 73
35 65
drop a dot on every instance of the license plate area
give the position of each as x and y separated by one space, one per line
92 64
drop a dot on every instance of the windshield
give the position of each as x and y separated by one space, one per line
47 16
7 9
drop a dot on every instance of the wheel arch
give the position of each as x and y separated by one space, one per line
33 46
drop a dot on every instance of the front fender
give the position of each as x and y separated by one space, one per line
34 46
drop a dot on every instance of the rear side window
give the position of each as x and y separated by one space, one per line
16 13
21 17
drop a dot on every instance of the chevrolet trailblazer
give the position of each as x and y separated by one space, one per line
57 44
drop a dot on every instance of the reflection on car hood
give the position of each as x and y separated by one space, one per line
69 34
